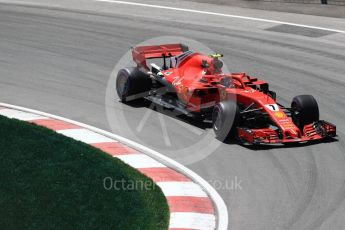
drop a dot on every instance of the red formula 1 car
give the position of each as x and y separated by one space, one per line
238 105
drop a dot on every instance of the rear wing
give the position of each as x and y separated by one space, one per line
141 53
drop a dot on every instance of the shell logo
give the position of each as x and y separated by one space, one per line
279 114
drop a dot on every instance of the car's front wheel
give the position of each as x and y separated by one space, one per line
305 110
225 118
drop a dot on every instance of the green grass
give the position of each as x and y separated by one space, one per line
48 181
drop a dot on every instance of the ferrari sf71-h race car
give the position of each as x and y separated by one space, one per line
238 105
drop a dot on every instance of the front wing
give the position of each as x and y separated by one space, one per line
314 131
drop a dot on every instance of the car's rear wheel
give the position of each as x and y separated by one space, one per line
225 119
131 84
305 110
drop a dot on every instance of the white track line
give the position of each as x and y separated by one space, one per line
85 136
20 115
220 14
181 189
140 161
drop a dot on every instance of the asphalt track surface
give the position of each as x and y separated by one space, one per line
59 61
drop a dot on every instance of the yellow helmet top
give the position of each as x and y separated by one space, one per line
216 55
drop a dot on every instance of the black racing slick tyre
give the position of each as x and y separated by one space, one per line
225 119
132 84
305 110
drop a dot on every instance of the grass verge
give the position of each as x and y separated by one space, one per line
49 181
